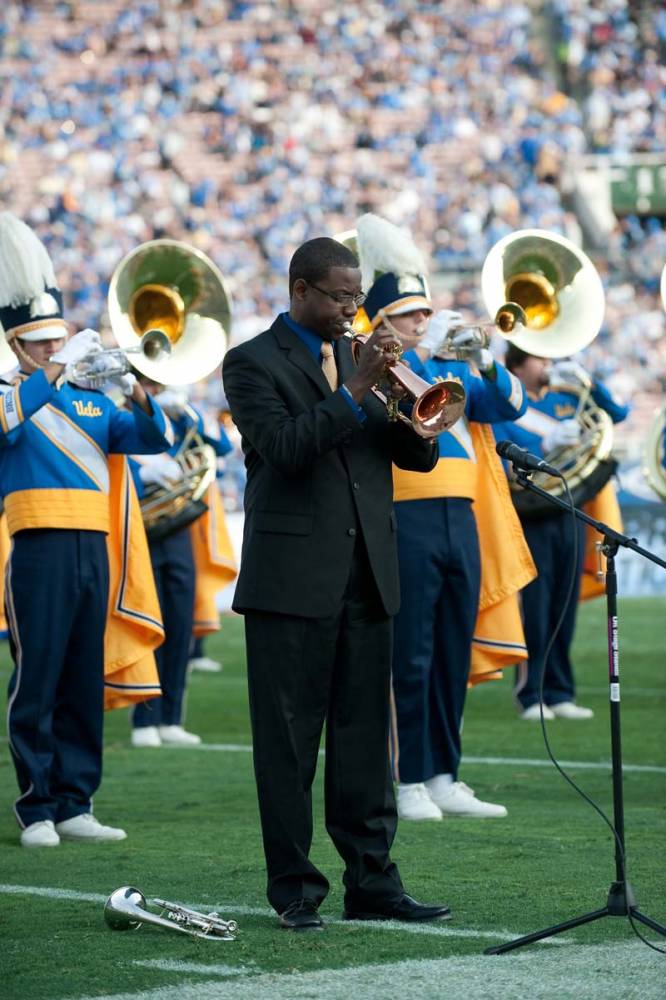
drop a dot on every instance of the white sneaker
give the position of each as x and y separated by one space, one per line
87 827
532 714
205 663
177 736
40 834
414 803
146 736
569 710
459 800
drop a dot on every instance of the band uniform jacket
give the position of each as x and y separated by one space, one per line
316 476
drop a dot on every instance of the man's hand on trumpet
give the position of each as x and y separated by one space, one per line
378 352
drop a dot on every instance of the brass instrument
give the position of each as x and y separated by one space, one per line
561 294
126 909
509 317
166 509
170 308
95 370
556 285
653 456
168 286
586 465
435 407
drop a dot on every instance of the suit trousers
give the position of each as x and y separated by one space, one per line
551 542
56 603
303 672
175 578
440 577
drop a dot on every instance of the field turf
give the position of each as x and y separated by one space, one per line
193 836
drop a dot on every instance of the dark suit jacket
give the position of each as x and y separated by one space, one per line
315 477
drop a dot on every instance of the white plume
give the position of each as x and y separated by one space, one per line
384 247
25 266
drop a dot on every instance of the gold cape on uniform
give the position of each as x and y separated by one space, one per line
214 562
134 622
506 565
604 507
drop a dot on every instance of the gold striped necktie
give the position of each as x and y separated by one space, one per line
328 365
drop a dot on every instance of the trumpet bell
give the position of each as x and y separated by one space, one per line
556 285
124 908
170 287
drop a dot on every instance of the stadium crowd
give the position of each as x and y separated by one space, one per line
246 128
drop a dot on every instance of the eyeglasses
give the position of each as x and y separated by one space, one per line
342 298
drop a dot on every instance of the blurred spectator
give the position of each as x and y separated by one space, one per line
247 128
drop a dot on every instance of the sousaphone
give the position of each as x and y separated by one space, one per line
167 289
561 295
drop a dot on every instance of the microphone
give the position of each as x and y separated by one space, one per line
522 459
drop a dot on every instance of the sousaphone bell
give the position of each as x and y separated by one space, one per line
176 290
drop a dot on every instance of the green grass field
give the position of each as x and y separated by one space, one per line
193 836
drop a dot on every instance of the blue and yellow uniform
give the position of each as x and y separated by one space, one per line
551 540
175 578
54 480
440 577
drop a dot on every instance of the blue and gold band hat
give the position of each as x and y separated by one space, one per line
396 294
30 300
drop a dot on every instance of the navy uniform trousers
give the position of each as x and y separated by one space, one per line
551 542
173 569
303 672
440 578
56 604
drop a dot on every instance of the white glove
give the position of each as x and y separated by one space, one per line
565 432
79 346
126 383
480 356
569 371
160 469
172 401
439 326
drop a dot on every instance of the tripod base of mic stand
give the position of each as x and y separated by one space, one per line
620 903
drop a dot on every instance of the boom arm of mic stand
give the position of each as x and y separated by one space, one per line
611 536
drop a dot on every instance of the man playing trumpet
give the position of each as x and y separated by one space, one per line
318 585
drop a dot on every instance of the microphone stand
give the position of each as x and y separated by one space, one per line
621 901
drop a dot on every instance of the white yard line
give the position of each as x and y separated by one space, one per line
234 910
594 972
581 765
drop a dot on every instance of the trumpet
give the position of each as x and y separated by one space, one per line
126 909
435 407
153 346
510 318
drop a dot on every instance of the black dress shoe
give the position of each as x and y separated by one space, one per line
301 915
402 908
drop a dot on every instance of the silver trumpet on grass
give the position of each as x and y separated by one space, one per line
126 909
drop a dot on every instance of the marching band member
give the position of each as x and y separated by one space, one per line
160 720
55 440
549 423
318 585
438 546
